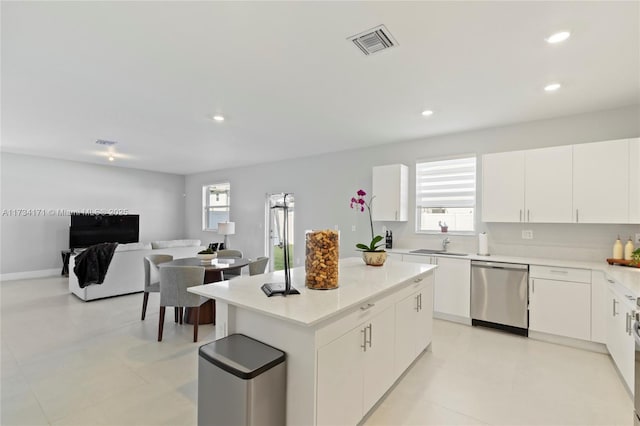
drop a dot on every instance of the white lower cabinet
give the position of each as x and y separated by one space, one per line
414 324
620 341
452 284
358 367
599 296
560 307
340 373
354 370
378 357
560 301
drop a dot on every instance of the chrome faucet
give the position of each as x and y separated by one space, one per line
445 243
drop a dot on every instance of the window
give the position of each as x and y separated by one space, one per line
446 195
216 205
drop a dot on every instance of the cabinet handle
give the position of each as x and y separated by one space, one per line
396 214
577 217
420 300
528 216
368 306
614 307
533 286
370 333
611 281
626 324
417 280
417 304
364 339
558 271
520 220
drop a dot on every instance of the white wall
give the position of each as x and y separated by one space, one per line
33 243
324 184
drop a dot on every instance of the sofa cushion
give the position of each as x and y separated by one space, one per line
174 243
133 246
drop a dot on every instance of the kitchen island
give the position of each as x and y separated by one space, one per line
345 347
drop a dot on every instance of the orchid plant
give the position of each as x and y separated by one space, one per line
358 202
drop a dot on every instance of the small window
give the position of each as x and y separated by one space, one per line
216 203
446 195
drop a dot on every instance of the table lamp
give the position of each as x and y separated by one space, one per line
226 229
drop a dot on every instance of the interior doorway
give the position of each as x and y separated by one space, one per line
276 207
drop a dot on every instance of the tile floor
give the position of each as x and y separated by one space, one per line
67 362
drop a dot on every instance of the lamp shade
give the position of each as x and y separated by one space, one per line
226 228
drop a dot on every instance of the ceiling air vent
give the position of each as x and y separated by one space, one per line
374 40
105 142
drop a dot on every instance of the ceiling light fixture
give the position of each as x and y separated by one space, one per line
427 113
558 37
552 87
218 118
111 158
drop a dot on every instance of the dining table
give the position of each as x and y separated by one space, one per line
213 272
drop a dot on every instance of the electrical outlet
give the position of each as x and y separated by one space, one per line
527 234
353 228
637 238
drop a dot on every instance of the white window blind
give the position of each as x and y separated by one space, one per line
446 183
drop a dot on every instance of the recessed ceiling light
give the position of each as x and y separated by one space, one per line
427 112
218 117
111 158
558 37
552 87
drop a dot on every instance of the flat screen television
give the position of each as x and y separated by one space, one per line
90 229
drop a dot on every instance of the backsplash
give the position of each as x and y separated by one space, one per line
588 242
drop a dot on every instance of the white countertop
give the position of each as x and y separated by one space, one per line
357 284
624 275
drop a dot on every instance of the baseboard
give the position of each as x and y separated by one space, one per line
452 318
30 274
569 341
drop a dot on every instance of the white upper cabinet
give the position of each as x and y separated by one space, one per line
634 180
548 185
391 191
586 183
503 187
601 182
528 186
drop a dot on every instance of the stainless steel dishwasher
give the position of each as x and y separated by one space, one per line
499 296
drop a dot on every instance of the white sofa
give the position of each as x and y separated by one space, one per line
126 271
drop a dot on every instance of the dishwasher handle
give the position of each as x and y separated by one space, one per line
499 265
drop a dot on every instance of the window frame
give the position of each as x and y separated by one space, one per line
206 206
417 208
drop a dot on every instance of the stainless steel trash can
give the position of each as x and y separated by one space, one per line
241 382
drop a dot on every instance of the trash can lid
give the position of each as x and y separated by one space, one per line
242 356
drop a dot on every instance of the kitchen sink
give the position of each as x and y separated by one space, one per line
432 251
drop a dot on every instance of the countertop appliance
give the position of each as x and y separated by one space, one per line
636 367
499 296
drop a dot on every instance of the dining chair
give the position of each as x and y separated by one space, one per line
152 279
230 253
174 281
258 266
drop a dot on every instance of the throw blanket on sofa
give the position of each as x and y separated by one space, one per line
92 264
